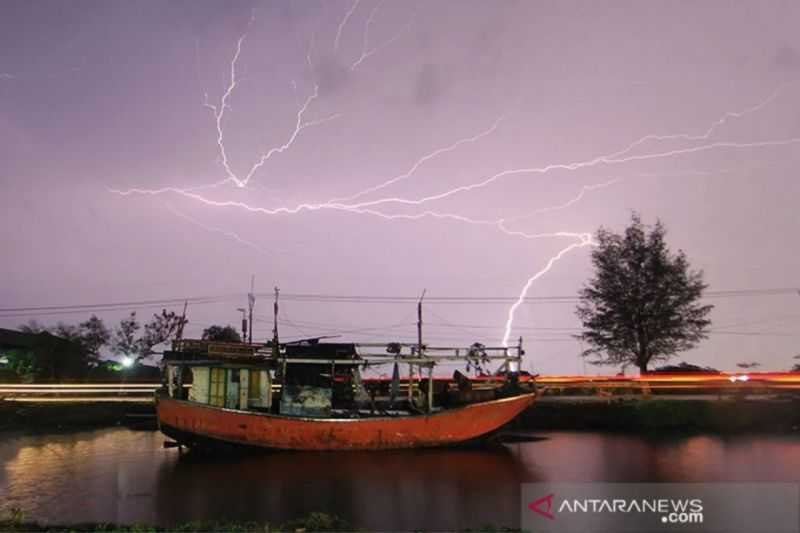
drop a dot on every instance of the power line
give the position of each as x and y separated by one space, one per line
22 312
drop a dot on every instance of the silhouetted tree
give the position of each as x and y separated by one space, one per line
221 334
62 351
162 328
93 336
125 341
642 305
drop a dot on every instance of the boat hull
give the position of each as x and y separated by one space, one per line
196 424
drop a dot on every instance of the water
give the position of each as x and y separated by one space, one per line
124 476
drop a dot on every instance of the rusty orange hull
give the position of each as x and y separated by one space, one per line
192 423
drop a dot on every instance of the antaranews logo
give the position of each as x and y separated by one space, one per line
660 507
537 506
670 510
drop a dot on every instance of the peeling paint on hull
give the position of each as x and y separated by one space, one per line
192 422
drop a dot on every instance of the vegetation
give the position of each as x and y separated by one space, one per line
642 305
312 522
68 351
161 328
221 334
684 367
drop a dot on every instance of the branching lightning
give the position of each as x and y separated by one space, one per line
586 240
366 52
349 204
212 229
343 23
421 161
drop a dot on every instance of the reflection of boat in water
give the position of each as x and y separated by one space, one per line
310 395
400 490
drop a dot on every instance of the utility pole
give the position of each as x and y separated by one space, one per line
275 322
251 301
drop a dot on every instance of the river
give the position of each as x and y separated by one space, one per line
125 476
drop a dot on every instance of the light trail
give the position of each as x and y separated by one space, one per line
586 240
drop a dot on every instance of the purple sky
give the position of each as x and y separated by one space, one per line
101 97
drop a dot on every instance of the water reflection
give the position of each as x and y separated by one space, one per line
119 475
406 489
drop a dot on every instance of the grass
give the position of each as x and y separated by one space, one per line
16 522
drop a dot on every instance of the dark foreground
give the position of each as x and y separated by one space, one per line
123 476
312 522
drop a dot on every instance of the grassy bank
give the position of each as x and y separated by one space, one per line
309 523
720 416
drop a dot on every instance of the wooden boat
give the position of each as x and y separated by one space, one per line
197 425
310 395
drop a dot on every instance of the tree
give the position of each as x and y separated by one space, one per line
61 351
221 334
93 336
162 328
642 305
125 341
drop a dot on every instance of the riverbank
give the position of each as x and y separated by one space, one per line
69 416
696 415
654 414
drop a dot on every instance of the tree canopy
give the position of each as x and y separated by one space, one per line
221 334
643 303
163 327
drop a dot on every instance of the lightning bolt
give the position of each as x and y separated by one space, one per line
212 229
348 204
421 161
366 52
574 166
343 23
218 111
585 240
712 128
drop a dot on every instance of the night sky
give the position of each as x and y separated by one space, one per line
506 130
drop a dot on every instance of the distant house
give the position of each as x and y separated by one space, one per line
38 355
